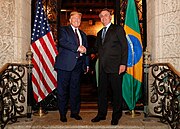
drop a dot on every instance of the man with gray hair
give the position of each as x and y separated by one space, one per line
111 46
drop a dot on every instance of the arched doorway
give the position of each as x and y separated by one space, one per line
59 18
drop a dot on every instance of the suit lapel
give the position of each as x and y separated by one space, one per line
108 33
100 36
72 34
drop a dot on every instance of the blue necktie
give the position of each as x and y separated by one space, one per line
103 34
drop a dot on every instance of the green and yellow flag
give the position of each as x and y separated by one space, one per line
131 87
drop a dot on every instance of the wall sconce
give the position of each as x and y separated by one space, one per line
91 22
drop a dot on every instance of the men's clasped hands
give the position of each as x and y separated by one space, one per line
81 49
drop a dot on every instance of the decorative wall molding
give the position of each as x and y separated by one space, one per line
164 31
15 29
7 22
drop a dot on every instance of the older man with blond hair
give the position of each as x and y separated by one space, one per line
70 63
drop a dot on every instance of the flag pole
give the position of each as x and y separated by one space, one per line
44 51
132 80
40 112
29 66
133 113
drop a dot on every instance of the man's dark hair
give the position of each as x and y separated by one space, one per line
106 9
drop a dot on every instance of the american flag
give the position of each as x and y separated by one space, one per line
44 77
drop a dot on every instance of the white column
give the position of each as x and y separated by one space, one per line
15 30
163 36
163 31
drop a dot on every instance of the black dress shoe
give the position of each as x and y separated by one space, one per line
76 116
114 121
98 118
63 119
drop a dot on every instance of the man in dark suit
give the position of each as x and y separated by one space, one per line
111 45
69 64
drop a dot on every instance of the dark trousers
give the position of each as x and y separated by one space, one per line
115 81
69 89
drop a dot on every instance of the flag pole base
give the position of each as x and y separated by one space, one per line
40 112
133 113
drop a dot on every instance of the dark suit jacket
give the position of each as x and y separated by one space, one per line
114 51
68 55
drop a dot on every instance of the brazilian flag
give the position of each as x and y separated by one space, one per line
131 86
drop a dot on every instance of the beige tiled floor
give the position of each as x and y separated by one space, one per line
51 121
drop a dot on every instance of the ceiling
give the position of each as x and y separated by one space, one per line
89 8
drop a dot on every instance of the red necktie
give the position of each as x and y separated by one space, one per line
77 37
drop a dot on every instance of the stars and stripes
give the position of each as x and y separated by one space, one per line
44 77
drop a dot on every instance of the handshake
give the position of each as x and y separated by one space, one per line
81 49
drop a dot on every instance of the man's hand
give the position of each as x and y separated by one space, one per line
86 70
82 49
122 68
